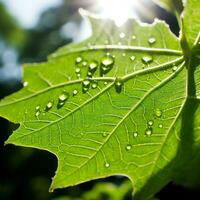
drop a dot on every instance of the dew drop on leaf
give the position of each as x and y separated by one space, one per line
79 59
152 40
78 70
174 68
149 131
107 165
37 108
93 67
107 63
85 85
37 113
105 83
25 84
160 126
94 85
118 85
158 112
75 92
150 123
84 63
135 134
49 105
128 147
104 134
124 54
62 99
132 58
147 59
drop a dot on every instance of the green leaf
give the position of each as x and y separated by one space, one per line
120 118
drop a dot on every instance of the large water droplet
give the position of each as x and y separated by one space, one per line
149 131
132 58
49 105
79 59
152 40
107 63
85 85
107 165
122 35
147 59
128 147
118 85
158 112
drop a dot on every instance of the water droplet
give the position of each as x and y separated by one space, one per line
149 131
128 147
104 134
89 74
25 84
107 165
106 64
79 59
118 85
49 105
158 112
147 59
37 113
105 83
94 85
37 108
78 70
160 126
62 99
152 40
122 35
75 92
132 58
135 134
174 68
124 54
85 85
84 63
133 37
150 123
93 67
108 54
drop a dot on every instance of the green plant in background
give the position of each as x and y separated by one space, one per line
125 101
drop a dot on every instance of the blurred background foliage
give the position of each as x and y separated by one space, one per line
26 173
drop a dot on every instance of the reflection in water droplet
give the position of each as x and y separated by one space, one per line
132 58
174 68
149 131
135 134
75 92
147 59
49 105
133 37
150 123
122 35
25 84
160 126
106 64
152 40
107 165
85 85
79 59
158 112
118 85
128 147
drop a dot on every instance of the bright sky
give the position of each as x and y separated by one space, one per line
28 12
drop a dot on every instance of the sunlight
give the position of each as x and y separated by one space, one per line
118 10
